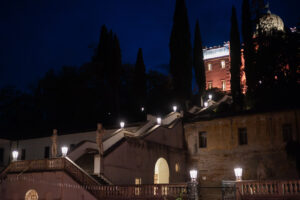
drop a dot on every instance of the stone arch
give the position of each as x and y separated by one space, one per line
161 171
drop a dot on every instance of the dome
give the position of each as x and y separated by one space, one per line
269 22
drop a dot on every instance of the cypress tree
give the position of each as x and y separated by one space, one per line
140 83
198 61
249 54
235 57
180 54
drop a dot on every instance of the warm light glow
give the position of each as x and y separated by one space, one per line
15 155
238 173
174 108
142 109
122 124
193 174
64 151
158 120
205 104
210 97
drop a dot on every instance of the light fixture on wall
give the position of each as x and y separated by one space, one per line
238 173
122 124
15 155
158 120
193 175
64 151
174 108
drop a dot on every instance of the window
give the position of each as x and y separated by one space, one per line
138 181
287 133
1 156
209 84
137 190
23 154
223 85
202 140
223 64
243 136
177 167
209 67
47 152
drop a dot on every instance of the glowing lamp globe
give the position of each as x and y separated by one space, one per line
122 124
15 155
193 174
174 108
64 151
238 173
158 120
142 109
210 97
205 104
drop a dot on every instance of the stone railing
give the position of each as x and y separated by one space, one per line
268 189
156 191
126 192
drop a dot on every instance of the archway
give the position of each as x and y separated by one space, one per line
161 171
31 195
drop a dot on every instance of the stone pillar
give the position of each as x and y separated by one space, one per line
54 144
99 141
193 190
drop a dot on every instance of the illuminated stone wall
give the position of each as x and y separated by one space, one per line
263 156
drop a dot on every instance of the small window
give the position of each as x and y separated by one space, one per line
23 154
177 167
223 64
202 140
287 133
223 85
1 156
47 152
209 67
138 181
209 84
243 140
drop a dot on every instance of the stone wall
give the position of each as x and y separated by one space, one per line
263 157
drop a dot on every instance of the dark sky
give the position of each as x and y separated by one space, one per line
37 35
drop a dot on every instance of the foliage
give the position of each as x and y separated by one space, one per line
180 53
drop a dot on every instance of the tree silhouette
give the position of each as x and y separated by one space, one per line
180 53
198 61
140 82
235 60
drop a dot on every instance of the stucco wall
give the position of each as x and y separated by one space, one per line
46 184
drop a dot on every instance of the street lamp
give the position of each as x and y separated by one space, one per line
15 155
142 109
64 151
122 124
158 120
205 104
193 175
174 108
238 173
210 97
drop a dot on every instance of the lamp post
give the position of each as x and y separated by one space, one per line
210 96
238 173
64 151
158 120
15 155
122 124
192 186
174 108
205 104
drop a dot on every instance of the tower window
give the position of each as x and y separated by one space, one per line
223 85
223 64
209 67
243 140
202 140
209 84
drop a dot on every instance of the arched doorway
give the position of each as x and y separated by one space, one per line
31 195
161 171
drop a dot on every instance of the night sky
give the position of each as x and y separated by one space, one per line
37 35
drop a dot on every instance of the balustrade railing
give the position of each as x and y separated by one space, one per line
276 188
